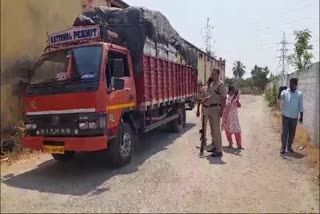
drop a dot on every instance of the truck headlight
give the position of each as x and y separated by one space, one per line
31 126
102 122
92 121
88 125
93 125
83 125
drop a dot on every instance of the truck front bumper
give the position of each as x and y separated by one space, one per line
77 144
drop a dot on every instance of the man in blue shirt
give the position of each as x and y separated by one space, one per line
292 106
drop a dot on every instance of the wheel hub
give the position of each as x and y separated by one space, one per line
125 146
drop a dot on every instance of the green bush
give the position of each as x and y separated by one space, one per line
271 95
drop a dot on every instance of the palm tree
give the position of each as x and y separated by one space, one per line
238 69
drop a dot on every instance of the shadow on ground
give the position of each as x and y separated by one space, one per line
216 161
232 150
295 155
87 171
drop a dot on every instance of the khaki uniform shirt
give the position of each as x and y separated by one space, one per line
204 92
217 92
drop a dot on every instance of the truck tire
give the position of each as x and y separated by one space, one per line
63 157
184 117
121 149
191 105
177 124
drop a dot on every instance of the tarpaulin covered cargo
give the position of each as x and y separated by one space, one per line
142 31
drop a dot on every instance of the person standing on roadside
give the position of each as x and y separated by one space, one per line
230 119
216 102
292 106
204 92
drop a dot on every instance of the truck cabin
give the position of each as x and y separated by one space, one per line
78 62
78 78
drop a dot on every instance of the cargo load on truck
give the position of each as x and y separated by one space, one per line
142 31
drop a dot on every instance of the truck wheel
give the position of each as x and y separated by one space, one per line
184 117
63 157
122 148
191 105
177 124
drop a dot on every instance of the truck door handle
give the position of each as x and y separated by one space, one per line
130 97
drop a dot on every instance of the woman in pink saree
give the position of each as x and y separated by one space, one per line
230 119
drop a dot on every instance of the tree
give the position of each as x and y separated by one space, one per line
238 70
260 77
301 57
228 81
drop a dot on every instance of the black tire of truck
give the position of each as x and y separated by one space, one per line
191 105
177 124
121 149
68 155
184 113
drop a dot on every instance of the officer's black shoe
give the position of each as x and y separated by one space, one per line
217 154
290 150
212 150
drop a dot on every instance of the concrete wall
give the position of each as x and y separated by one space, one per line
308 84
24 24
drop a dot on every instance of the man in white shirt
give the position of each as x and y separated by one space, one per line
292 106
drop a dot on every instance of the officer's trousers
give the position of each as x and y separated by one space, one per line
214 122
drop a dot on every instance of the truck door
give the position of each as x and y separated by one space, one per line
120 87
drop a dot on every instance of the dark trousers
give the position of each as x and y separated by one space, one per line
289 126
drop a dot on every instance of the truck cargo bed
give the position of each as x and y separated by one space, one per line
162 81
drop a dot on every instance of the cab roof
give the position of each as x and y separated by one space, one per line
82 36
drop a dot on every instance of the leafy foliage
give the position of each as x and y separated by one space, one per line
301 57
271 95
260 77
238 70
246 85
255 84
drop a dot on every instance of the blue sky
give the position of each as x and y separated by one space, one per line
246 30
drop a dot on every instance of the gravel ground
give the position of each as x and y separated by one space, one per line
167 175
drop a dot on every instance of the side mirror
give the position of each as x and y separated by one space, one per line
117 66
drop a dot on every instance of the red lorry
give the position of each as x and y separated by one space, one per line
85 96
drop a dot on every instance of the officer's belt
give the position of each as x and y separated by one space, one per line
212 105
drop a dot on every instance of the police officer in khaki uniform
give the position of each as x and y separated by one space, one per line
216 101
204 92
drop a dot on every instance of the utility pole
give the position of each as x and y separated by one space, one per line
207 37
283 54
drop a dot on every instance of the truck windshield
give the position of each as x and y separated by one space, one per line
75 64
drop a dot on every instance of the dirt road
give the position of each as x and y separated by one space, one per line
168 176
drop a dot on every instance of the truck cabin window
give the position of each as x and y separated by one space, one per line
111 74
71 65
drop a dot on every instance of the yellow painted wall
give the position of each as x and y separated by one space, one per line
205 67
24 24
201 67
